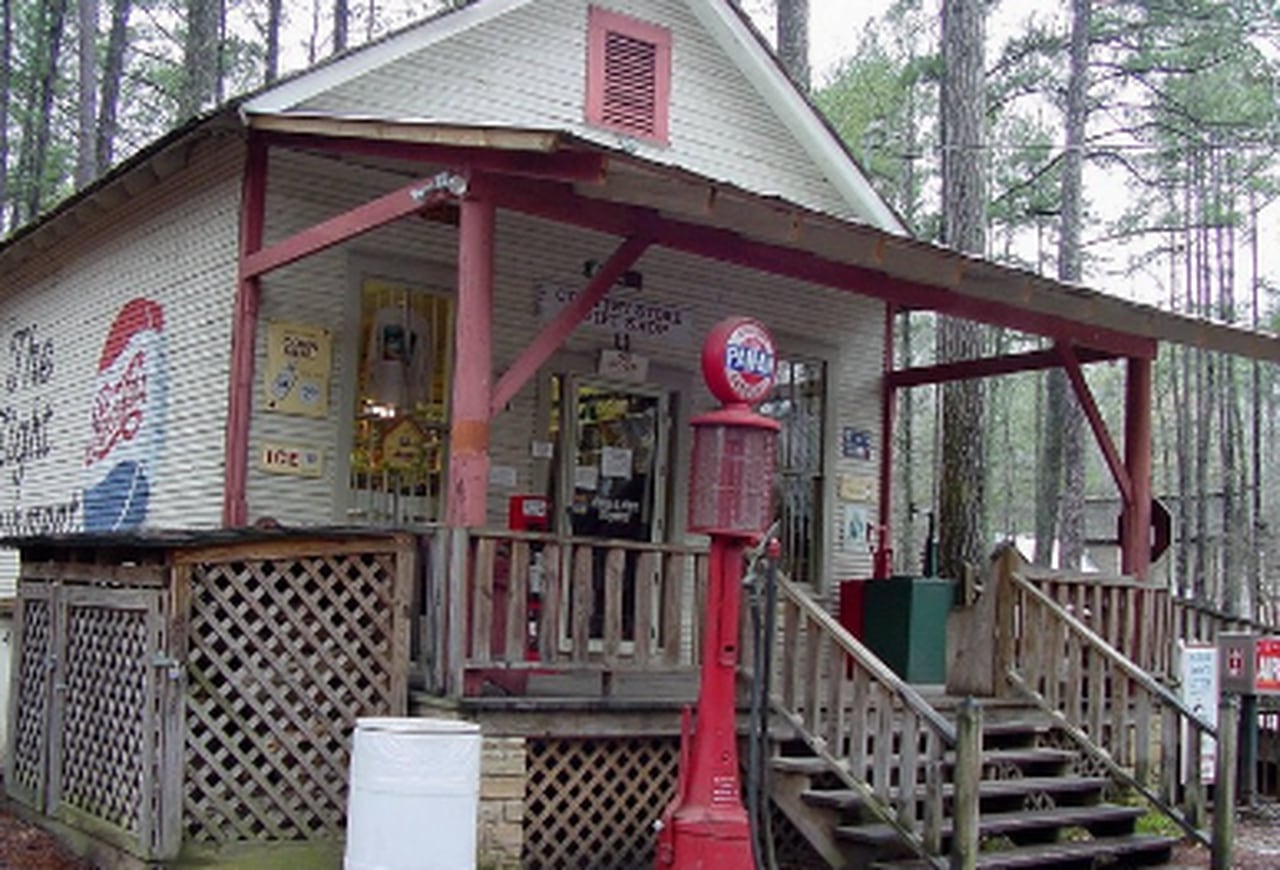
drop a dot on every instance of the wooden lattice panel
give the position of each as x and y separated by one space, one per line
284 655
790 848
31 713
105 739
592 802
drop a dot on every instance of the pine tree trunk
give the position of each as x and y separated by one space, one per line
200 57
905 542
1069 270
1233 586
272 59
37 154
112 73
1189 532
961 502
6 58
1256 526
87 110
340 23
1049 474
1204 393
793 40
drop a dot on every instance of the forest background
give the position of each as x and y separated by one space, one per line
1130 145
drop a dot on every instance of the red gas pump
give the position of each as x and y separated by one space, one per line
731 500
531 513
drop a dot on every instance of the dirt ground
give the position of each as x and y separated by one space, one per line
1257 845
26 847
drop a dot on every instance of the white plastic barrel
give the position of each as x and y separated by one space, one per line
414 795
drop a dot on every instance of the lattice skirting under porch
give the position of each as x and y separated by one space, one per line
591 804
205 696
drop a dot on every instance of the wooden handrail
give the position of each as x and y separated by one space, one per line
867 660
602 543
1104 701
1100 646
853 712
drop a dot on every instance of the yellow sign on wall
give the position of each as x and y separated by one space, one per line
299 359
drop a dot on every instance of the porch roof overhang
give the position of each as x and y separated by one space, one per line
612 191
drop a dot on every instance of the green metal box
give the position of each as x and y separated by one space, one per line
905 625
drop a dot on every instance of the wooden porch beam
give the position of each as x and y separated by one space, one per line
577 166
1099 426
554 333
1035 360
439 188
253 205
558 202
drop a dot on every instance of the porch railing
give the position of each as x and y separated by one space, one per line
1129 614
1196 622
1124 719
536 602
875 731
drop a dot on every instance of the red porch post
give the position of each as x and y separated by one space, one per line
473 367
244 330
1135 548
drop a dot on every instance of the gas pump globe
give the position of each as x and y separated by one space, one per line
731 501
734 453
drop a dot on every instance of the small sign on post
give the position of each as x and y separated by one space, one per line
1198 689
1250 665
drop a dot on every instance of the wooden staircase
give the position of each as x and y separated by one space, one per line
1036 808
875 774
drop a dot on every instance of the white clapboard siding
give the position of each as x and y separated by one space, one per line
844 329
527 68
173 243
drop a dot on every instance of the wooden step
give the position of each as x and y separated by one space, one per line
1092 818
1022 758
989 788
1139 849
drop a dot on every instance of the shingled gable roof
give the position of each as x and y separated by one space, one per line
724 22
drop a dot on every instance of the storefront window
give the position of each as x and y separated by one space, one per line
798 403
402 405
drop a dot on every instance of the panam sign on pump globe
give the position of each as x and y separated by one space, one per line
127 419
739 362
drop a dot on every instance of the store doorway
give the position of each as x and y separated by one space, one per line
612 478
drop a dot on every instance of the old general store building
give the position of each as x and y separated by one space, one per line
447 284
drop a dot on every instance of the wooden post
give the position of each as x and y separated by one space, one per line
1135 547
458 623
1005 616
1224 790
473 368
244 329
968 777
1248 750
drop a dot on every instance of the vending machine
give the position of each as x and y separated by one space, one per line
531 513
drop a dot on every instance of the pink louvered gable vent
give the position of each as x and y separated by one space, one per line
630 83
628 75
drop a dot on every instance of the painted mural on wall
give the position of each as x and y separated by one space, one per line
27 435
126 419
